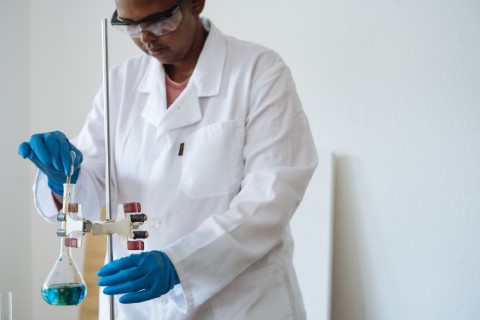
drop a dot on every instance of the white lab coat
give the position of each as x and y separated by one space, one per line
221 210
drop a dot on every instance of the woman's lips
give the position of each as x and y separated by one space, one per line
156 51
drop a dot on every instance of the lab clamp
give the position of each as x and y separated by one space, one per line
129 219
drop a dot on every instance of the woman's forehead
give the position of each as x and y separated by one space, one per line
139 9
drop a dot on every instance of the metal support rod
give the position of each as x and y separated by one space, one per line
106 105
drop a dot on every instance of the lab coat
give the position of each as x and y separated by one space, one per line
221 208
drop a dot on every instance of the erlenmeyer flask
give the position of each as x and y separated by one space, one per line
64 285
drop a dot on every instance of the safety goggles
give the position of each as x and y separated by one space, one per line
158 24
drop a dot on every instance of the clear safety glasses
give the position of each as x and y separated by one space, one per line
158 24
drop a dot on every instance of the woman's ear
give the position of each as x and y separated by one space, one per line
197 6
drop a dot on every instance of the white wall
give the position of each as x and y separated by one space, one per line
15 259
392 87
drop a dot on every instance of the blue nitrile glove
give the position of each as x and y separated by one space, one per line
142 276
51 153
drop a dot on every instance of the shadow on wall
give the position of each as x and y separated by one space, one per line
312 231
349 289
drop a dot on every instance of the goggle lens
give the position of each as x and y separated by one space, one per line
158 28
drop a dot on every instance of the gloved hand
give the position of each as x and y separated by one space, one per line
142 276
51 153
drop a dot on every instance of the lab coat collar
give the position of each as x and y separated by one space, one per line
204 82
209 70
153 84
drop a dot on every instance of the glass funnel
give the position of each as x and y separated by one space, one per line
64 285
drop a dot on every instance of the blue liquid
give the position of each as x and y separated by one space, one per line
65 294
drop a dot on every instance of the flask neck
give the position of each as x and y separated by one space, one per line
65 251
68 208
68 195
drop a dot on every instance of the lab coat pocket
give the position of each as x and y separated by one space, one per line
213 160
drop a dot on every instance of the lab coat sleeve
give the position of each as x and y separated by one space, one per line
90 142
43 199
280 158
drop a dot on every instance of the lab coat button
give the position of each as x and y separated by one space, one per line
156 223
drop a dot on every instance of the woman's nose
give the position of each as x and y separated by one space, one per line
147 36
